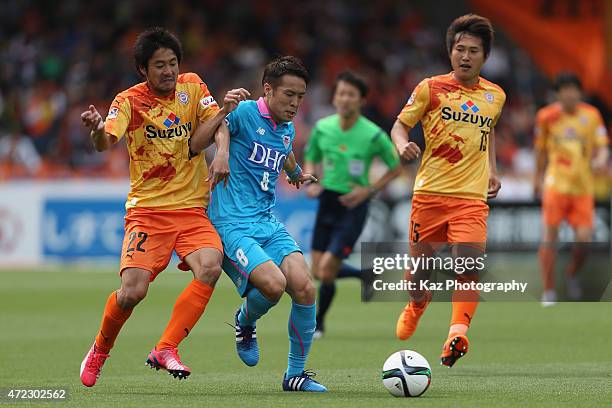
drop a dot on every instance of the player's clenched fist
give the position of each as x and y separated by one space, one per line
92 119
409 151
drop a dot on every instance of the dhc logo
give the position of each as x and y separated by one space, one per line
269 158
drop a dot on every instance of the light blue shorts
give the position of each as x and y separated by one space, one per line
248 245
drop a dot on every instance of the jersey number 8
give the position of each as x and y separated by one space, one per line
264 181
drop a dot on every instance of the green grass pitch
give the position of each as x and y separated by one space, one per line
520 354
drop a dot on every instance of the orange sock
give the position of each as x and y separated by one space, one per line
464 306
112 321
187 310
547 263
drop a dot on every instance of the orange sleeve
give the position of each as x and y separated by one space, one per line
118 118
207 106
417 105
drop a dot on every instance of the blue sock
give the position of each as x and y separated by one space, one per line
347 271
302 322
254 306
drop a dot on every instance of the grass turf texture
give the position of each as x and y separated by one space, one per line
521 354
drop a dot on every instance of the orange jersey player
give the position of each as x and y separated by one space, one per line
571 143
169 186
457 175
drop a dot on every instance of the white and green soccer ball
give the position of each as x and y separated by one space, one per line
406 373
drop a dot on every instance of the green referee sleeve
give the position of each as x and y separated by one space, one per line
386 150
313 151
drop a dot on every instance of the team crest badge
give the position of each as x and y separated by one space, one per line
411 99
489 97
183 97
286 141
113 112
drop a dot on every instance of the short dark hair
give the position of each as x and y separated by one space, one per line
287 65
567 78
474 25
353 79
150 41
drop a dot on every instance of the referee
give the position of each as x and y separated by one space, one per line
344 145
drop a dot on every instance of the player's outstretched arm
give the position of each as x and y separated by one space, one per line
494 181
204 133
406 149
219 168
93 121
295 175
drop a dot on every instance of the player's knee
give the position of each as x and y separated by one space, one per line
130 295
274 287
208 271
305 292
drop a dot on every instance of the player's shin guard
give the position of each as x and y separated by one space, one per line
112 321
301 329
188 309
254 306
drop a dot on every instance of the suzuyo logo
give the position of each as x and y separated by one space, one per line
11 230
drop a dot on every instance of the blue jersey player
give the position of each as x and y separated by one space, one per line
261 258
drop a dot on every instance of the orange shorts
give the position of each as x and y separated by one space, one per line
437 219
578 210
151 236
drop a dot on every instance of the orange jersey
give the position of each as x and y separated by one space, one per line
157 132
456 122
569 140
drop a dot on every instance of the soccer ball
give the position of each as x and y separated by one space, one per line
406 373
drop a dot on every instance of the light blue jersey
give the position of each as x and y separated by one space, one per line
258 149
242 211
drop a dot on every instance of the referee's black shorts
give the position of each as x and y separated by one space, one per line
337 227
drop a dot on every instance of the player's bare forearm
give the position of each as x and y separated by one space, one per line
494 181
290 163
100 139
540 155
222 139
204 134
399 135
600 158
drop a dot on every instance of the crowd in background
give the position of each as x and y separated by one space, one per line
59 58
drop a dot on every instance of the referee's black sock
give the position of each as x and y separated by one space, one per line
327 291
347 271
